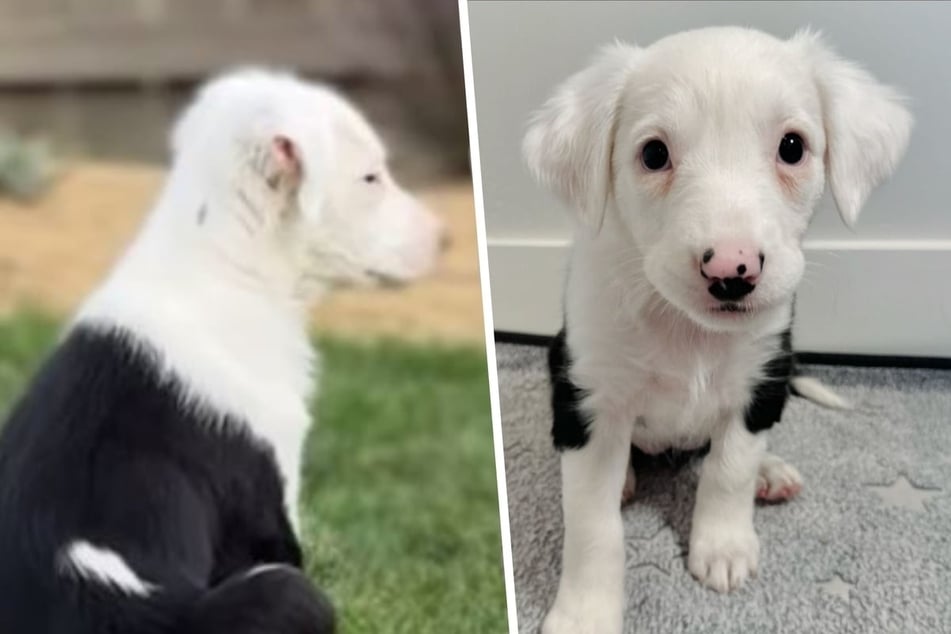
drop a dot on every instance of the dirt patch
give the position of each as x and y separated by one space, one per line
53 252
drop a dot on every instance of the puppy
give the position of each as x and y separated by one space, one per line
694 166
149 476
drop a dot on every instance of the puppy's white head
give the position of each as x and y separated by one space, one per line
290 172
710 148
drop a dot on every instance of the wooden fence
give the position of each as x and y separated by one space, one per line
105 77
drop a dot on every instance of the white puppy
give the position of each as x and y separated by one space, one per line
694 166
279 191
153 465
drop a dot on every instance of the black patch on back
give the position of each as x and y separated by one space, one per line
771 393
569 428
103 448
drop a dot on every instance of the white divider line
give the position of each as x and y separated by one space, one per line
476 167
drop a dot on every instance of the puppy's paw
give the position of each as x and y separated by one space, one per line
777 480
723 556
588 613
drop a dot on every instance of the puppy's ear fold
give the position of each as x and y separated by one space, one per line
570 140
866 123
283 166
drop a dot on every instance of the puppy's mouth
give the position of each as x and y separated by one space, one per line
385 280
731 307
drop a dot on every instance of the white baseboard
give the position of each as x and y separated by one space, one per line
858 297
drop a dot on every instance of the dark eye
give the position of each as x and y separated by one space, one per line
654 155
791 148
371 178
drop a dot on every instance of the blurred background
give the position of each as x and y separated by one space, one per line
89 88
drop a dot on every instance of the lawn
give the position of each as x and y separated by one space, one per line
400 515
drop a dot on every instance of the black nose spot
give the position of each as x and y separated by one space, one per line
707 255
762 259
731 289
741 269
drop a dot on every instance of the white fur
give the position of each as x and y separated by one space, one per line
266 568
266 207
816 392
101 565
646 338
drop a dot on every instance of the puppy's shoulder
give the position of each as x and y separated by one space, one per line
569 426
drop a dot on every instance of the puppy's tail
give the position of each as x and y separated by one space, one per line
271 598
817 392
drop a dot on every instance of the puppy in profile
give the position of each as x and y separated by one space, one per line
149 476
693 166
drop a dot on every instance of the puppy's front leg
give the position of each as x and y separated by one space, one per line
724 549
590 596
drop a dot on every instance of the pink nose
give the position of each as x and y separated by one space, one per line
729 260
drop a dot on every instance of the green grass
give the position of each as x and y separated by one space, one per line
400 512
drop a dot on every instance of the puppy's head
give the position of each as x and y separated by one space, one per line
294 165
711 148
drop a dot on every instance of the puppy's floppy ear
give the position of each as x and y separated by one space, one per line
570 140
866 124
282 164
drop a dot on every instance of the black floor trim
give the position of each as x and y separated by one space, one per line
522 338
814 358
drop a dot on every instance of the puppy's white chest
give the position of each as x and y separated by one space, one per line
683 392
677 410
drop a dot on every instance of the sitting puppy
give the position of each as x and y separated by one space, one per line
694 166
149 477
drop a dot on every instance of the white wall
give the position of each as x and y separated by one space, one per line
878 289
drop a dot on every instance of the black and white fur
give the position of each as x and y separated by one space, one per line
661 348
149 476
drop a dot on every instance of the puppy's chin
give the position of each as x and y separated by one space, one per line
398 277
721 317
381 279
727 318
738 317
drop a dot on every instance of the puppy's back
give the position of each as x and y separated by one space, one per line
114 486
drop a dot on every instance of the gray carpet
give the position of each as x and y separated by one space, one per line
865 548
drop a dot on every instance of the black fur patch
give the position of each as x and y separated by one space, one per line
770 394
104 450
670 459
569 428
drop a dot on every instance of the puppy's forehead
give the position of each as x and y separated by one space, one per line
350 128
723 73
730 41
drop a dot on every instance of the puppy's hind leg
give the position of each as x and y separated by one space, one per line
777 480
268 598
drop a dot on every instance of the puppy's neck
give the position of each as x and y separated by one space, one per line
222 231
212 295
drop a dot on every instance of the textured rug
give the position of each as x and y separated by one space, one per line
866 547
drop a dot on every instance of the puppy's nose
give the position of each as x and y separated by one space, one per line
732 269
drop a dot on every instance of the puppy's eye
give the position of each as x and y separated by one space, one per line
371 178
654 156
791 148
